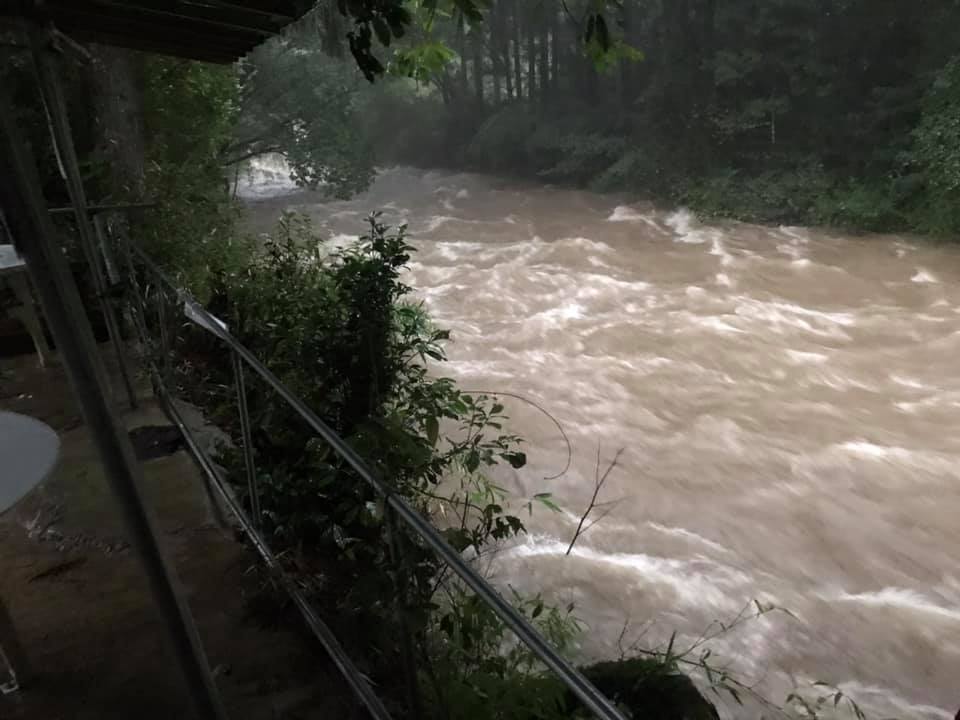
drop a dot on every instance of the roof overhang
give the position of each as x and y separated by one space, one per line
219 31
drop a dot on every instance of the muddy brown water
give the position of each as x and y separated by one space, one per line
788 400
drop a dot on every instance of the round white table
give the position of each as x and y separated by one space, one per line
28 453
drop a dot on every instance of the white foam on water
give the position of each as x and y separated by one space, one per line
790 250
462 194
869 449
680 221
873 701
266 177
567 311
719 249
782 317
924 276
724 280
796 234
698 581
802 357
624 213
712 322
580 242
901 248
476 368
688 535
884 703
909 382
904 464
437 221
902 599
801 263
687 230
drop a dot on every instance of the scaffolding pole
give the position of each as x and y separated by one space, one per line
51 90
33 236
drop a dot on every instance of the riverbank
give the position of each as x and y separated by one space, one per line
579 149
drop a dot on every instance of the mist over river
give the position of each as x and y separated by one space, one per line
788 400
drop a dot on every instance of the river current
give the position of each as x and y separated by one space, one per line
787 401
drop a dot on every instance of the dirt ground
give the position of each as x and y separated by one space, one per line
80 602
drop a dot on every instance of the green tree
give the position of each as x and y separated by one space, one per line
296 100
937 149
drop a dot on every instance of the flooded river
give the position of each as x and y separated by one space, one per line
787 401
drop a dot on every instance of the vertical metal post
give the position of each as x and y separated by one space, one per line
252 486
62 137
113 275
165 349
33 235
400 606
138 310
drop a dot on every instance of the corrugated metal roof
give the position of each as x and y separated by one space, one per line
210 30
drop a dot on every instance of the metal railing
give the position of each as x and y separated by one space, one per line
169 297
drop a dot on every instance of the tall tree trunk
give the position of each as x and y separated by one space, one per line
544 54
504 50
476 33
531 56
117 79
517 59
555 49
707 49
626 66
705 82
462 82
493 48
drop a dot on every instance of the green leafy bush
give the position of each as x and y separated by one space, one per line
580 158
860 205
192 229
499 144
774 196
634 169
296 100
336 327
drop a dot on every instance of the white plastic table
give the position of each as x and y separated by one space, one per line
28 453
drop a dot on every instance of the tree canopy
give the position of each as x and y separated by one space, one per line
824 111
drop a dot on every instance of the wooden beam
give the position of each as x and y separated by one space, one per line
194 15
218 31
171 47
172 42
128 21
92 209
284 10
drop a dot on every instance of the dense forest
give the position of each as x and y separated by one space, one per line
836 111
832 112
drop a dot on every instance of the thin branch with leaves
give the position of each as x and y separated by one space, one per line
605 507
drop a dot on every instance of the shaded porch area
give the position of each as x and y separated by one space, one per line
81 604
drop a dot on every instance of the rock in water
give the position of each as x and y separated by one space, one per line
647 689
